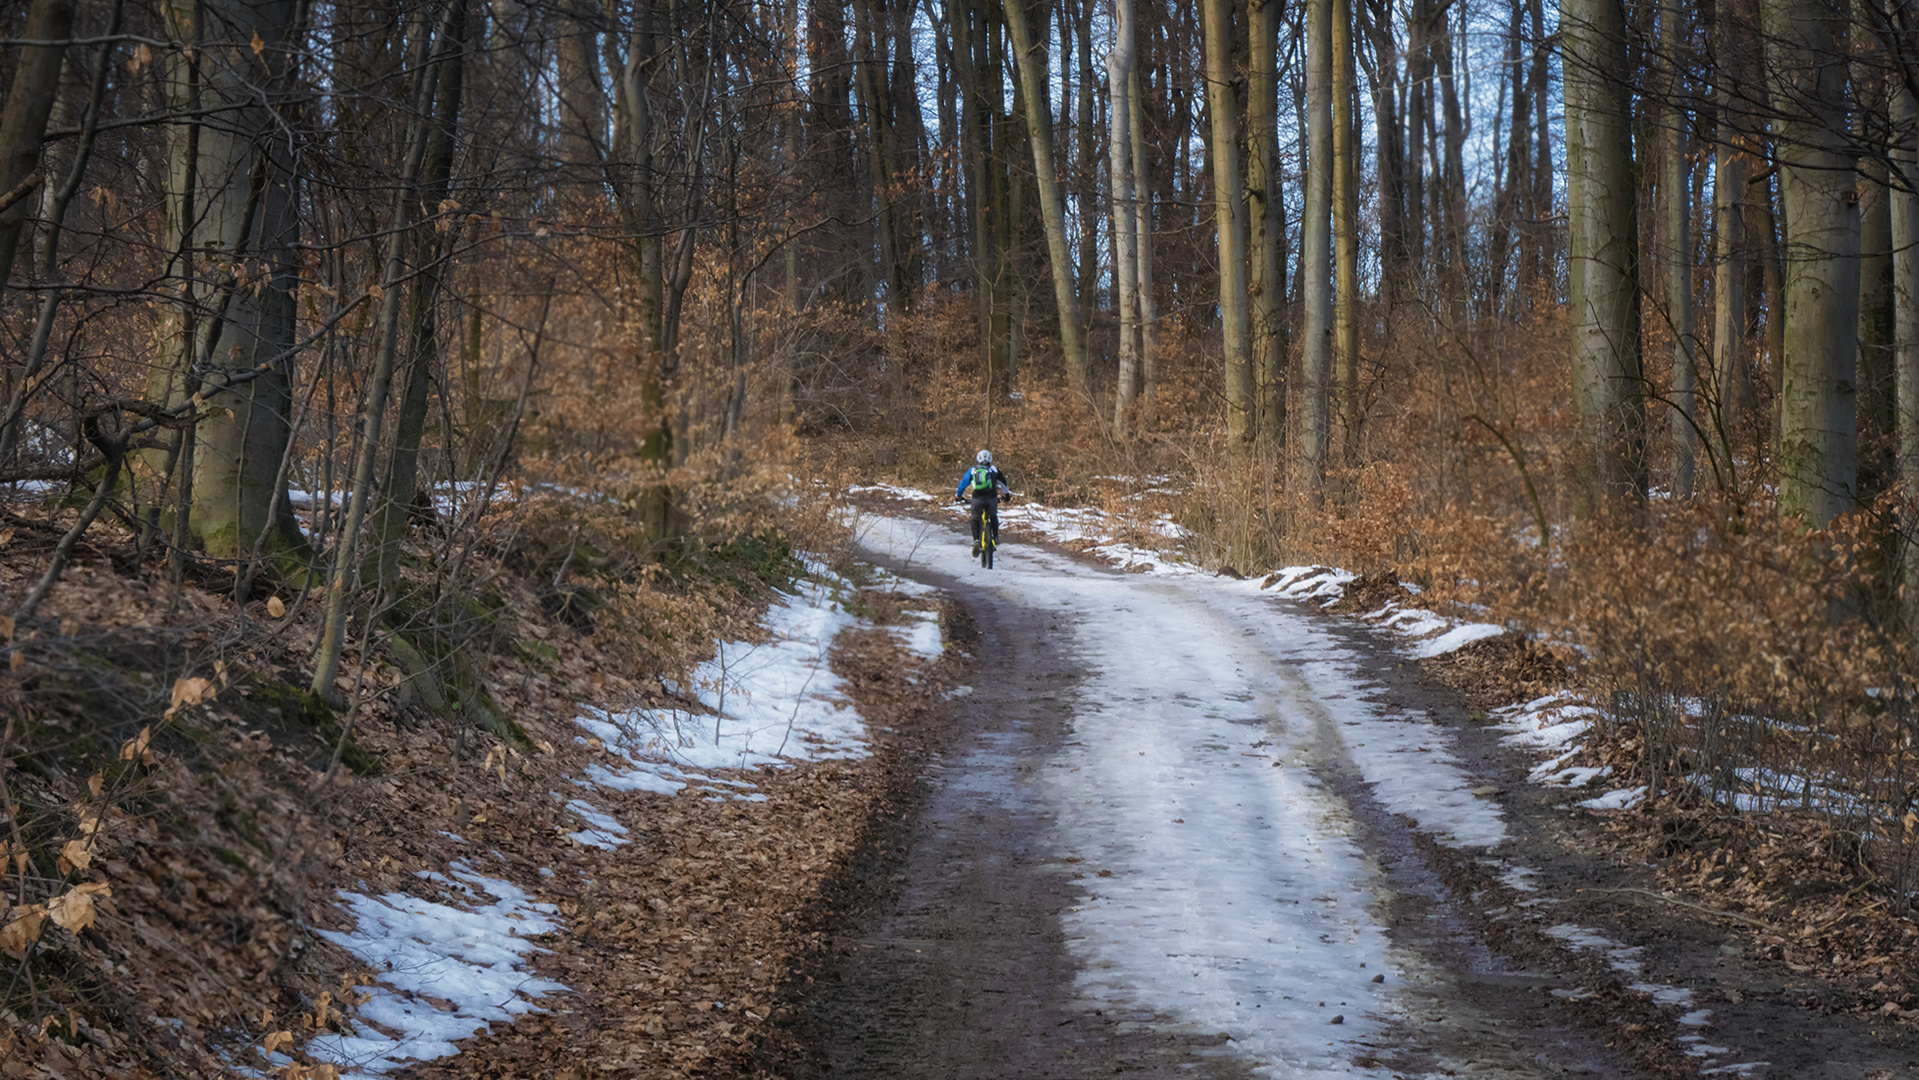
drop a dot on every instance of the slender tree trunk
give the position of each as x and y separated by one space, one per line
582 101
1603 259
1905 278
1229 220
1125 240
1675 195
1730 397
1316 283
1265 278
1544 243
1452 187
1088 175
1818 434
1052 206
1877 406
1345 198
1142 235
1389 157
341 583
398 493
23 124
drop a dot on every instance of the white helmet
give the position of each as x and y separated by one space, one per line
984 457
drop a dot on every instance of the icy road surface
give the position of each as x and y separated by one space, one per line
1209 884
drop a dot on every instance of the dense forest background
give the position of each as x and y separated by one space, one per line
1601 321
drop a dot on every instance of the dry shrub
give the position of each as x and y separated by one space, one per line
1746 660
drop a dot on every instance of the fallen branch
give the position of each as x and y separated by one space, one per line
1700 908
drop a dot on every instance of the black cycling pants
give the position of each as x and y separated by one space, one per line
989 504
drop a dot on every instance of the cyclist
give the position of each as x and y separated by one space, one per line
982 487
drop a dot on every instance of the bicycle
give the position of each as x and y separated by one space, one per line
988 537
988 530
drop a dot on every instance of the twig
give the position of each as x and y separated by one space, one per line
1703 910
20 191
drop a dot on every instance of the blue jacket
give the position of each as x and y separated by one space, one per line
1000 486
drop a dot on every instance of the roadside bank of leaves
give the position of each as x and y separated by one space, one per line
688 949
1796 893
182 818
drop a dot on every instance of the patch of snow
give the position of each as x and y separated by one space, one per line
1664 995
1622 799
1457 638
428 955
892 491
922 638
638 778
1576 776
1519 878
1622 958
604 830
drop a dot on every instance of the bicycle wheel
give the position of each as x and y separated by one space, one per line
986 554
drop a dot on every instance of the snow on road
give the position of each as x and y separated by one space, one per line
1225 888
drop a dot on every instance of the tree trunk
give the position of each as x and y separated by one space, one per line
1119 63
1675 196
1905 278
1316 284
1730 396
1266 280
1876 391
398 496
1143 236
1389 157
1818 434
1345 199
1603 258
582 101
1229 220
1543 244
342 581
231 200
1039 128
36 85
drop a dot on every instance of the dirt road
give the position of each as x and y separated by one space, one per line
1180 829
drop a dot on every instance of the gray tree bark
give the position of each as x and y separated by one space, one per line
1345 199
1265 223
1119 65
1603 255
1229 220
1905 290
1316 284
1675 196
231 203
1818 435
23 124
1143 237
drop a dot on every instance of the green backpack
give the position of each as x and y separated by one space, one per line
982 480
